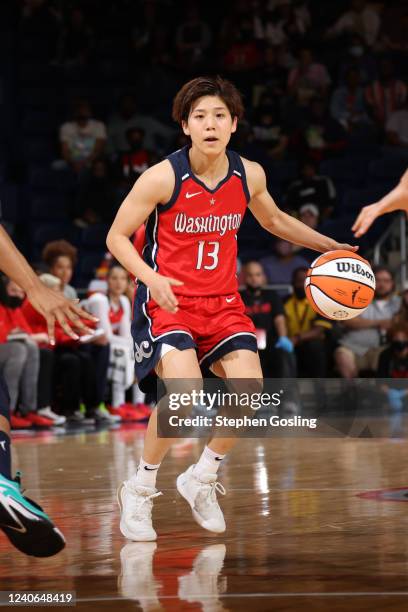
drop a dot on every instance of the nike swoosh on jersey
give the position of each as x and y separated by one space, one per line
229 300
191 195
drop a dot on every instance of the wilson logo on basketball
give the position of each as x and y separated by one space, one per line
345 266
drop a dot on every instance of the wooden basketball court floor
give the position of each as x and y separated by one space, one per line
304 529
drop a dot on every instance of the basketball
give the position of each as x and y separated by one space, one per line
340 285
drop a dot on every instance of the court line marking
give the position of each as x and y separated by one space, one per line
247 595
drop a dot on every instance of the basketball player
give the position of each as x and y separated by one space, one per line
188 312
397 199
23 521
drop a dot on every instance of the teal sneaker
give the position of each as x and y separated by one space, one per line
25 524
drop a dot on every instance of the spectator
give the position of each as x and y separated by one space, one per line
96 202
311 188
386 94
83 139
79 369
193 37
393 364
362 343
272 78
282 21
77 39
358 57
265 308
243 54
114 313
402 315
397 129
157 136
269 134
309 215
132 163
60 257
308 79
320 134
19 358
270 28
279 268
347 104
360 19
306 330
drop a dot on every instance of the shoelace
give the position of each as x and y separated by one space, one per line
216 486
209 491
136 512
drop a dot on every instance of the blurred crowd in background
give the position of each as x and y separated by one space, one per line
87 88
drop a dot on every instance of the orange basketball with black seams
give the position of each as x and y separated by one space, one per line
340 285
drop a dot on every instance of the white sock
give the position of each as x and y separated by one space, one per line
118 395
208 463
138 396
146 474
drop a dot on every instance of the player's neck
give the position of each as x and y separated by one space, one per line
210 169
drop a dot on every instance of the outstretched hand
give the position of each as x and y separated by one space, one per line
365 219
55 307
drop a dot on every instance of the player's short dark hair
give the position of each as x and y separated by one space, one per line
207 86
58 248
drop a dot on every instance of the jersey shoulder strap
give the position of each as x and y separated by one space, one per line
237 168
179 163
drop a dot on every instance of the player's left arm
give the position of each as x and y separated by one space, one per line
277 222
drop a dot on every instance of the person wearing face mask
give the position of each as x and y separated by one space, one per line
393 363
20 358
83 139
306 330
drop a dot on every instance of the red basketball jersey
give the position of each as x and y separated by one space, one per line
193 237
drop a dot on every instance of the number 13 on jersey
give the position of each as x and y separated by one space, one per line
207 249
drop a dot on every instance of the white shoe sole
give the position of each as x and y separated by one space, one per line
197 517
124 529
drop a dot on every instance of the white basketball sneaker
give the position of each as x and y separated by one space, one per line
135 503
201 495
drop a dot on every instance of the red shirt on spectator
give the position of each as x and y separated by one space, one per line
12 318
38 325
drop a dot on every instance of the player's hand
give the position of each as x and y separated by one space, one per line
55 307
365 219
162 293
346 247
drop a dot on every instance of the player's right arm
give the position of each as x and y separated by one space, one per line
153 187
397 199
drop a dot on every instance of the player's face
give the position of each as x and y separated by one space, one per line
254 276
117 281
210 125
